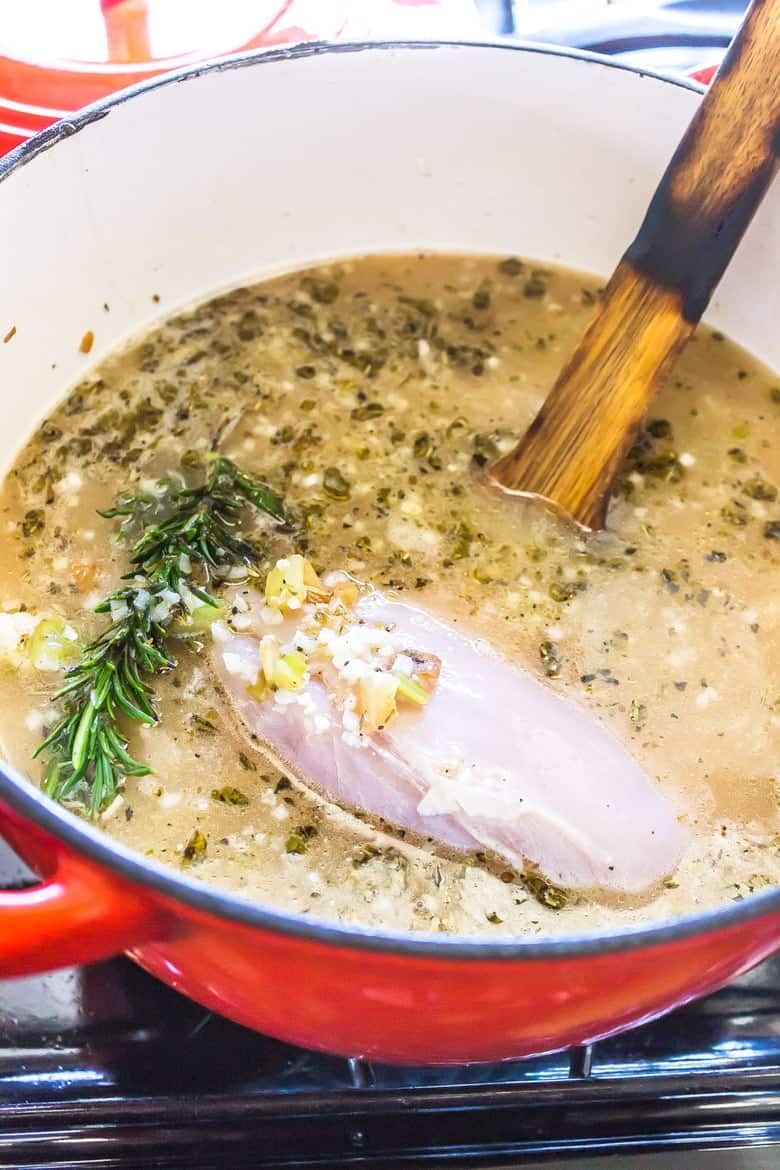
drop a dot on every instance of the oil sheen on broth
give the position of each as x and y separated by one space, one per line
371 394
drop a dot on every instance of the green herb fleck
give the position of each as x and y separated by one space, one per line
203 725
366 853
195 849
563 591
664 465
637 714
759 489
422 305
324 292
544 892
659 428
367 411
33 523
49 433
298 841
230 795
535 287
551 659
481 298
485 445
335 485
422 445
535 552
735 513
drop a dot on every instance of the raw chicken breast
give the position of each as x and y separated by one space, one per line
494 760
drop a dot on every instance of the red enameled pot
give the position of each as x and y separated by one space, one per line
203 180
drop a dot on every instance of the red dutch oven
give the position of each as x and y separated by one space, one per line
190 184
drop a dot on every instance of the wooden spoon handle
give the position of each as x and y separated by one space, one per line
701 208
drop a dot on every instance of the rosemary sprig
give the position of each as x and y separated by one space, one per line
185 538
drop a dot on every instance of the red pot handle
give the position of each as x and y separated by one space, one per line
78 913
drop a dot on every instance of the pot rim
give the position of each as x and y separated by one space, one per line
21 795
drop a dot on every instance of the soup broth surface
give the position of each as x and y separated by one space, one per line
371 395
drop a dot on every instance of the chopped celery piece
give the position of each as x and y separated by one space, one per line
202 616
284 672
409 688
53 644
199 620
290 671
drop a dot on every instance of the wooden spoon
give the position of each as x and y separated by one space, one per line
718 176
